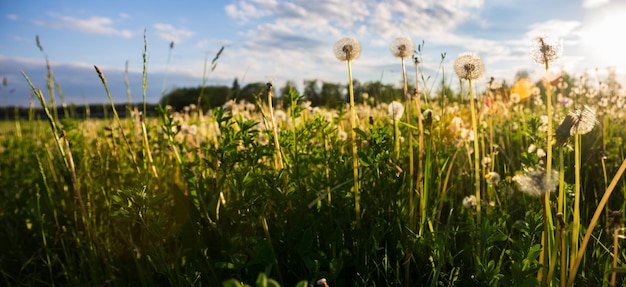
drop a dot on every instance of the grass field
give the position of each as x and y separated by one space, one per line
510 189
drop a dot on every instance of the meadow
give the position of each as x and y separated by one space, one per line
495 186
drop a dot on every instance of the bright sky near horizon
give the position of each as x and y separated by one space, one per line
281 40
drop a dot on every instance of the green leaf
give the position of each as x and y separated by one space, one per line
232 283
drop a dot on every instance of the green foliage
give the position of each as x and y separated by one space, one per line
202 203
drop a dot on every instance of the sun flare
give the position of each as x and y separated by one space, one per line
603 40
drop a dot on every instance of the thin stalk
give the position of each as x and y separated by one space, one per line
144 132
51 119
476 153
266 230
561 203
576 220
407 107
615 254
546 196
355 155
421 187
278 161
594 221
117 118
129 106
145 71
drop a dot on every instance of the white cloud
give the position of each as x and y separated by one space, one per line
169 33
245 10
594 3
94 24
12 17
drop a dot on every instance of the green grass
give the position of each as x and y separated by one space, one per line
195 198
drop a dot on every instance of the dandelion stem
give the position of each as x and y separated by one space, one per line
420 155
576 220
476 153
355 158
593 223
279 157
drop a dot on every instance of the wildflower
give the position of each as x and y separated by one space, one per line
467 135
532 148
402 47
469 201
395 110
492 178
427 117
545 50
541 153
321 283
469 66
515 98
486 162
535 182
577 122
192 130
456 124
342 135
347 49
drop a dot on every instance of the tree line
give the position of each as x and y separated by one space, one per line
319 93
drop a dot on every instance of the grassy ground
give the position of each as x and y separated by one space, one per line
206 198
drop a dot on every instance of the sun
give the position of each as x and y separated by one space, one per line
603 40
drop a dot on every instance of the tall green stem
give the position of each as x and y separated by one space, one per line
423 189
593 223
548 237
476 153
576 220
355 156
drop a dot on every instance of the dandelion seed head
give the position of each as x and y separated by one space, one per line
469 201
469 66
402 47
577 122
545 50
456 124
395 110
321 283
536 183
493 178
486 162
515 98
347 49
467 135
541 153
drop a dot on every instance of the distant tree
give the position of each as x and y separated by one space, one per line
212 97
288 86
312 92
236 88
332 94
251 91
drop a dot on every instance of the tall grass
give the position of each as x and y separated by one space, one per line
197 197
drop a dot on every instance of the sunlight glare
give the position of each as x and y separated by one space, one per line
603 40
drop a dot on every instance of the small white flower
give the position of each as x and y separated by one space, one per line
541 153
395 110
469 201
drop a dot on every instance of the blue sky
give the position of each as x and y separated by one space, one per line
281 40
